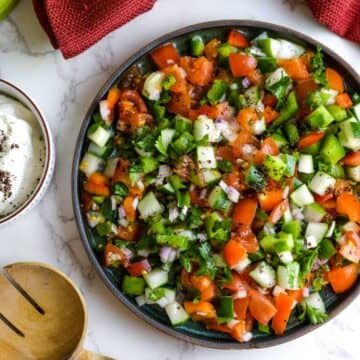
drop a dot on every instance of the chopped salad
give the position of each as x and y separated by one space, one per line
224 185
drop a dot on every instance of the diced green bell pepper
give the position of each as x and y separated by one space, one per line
332 150
132 285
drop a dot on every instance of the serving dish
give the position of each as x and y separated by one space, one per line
191 331
13 91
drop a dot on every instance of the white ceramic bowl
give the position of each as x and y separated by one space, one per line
13 91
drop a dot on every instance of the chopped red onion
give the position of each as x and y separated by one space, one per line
285 193
201 237
240 294
105 111
246 82
203 193
122 212
319 263
135 203
113 202
306 292
167 254
173 213
297 213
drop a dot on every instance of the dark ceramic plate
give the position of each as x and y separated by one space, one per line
194 332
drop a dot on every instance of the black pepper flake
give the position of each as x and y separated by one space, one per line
5 184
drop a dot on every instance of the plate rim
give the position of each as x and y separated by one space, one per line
292 334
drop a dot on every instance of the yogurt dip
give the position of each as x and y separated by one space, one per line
22 154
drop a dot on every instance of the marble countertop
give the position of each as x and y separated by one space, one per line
64 90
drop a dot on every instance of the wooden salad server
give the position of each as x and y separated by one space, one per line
42 315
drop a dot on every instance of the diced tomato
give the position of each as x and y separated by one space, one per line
203 310
268 147
86 201
343 278
284 304
349 205
244 137
199 71
98 179
114 255
261 308
323 198
352 159
236 38
128 233
237 283
270 115
304 88
224 153
196 199
236 180
240 307
295 68
95 189
244 211
218 327
121 173
350 249
310 139
134 97
246 117
200 282
270 198
256 77
180 86
241 64
306 58
210 50
278 211
180 103
113 97
128 206
334 79
344 100
185 279
297 295
165 55
234 252
246 238
139 268
239 330
212 112
269 100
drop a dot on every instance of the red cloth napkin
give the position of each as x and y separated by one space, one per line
75 25
340 16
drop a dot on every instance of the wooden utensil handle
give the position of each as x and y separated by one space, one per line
89 355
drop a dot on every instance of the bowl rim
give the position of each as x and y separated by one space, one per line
290 335
50 156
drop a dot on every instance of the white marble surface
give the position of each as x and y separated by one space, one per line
64 90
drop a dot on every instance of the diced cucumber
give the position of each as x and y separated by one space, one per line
302 196
90 163
164 140
197 45
176 313
99 151
287 216
331 149
183 124
315 301
204 126
353 172
279 139
218 199
206 157
149 206
258 126
168 298
288 276
275 167
206 177
289 110
156 277
280 48
337 112
111 167
264 275
252 95
356 111
285 257
275 76
349 134
153 85
320 118
314 212
94 218
321 182
242 265
306 164
314 233
99 135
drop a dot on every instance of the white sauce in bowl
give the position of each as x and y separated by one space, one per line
22 154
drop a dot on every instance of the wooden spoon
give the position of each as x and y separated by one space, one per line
42 315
